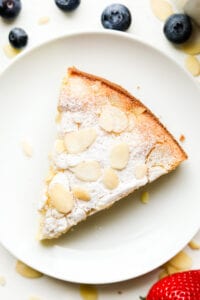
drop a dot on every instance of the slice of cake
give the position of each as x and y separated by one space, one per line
108 145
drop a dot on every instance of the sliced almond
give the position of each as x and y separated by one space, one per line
144 197
79 141
194 245
10 51
140 171
2 281
61 198
162 9
81 193
163 274
50 176
193 65
59 146
113 119
171 270
43 20
87 171
119 156
110 179
88 292
26 271
58 118
139 110
182 261
27 148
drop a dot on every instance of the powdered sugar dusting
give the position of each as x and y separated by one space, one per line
79 110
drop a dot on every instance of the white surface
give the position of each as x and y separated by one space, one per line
145 25
99 242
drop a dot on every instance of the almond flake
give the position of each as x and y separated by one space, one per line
193 65
58 118
59 146
11 52
2 281
27 148
161 9
163 274
194 245
43 20
110 179
181 261
88 292
171 270
87 171
145 197
81 193
79 141
26 271
61 198
119 156
113 119
140 171
50 175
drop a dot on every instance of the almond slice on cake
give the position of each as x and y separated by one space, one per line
108 144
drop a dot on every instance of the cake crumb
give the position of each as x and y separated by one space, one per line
144 197
182 138
27 148
194 245
88 292
43 20
119 292
138 87
2 281
10 52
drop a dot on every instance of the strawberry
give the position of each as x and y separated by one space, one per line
179 286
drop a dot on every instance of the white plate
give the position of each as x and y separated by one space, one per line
131 238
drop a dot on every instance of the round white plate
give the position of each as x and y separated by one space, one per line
130 238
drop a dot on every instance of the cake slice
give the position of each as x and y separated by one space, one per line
108 144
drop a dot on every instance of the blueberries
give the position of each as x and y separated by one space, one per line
18 38
67 5
178 28
117 17
9 9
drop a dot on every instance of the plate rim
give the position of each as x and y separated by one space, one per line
128 36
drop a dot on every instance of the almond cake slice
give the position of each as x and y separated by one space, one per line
108 145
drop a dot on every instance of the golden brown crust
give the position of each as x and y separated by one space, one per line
74 71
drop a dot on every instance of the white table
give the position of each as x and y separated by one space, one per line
87 17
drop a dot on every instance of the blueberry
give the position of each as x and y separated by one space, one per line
67 5
117 17
18 38
9 9
178 28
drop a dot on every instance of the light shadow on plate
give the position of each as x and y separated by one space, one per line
130 205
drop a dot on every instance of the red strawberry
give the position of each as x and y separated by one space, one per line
179 286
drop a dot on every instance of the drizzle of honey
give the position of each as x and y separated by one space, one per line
88 292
